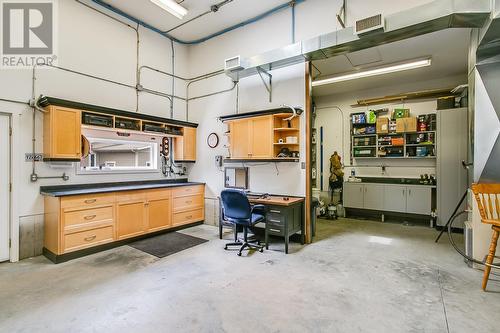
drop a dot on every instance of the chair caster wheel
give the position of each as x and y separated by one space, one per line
261 250
239 254
258 242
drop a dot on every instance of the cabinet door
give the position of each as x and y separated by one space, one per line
131 217
395 198
240 144
373 197
62 133
185 146
159 214
419 200
353 195
261 137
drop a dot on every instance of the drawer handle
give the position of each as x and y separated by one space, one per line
90 217
275 221
274 230
189 216
188 202
91 238
275 211
89 201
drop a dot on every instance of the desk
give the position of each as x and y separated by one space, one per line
284 217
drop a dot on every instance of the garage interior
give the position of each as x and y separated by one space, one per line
221 166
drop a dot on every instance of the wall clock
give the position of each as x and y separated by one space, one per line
213 140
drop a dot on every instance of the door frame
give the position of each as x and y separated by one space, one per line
308 116
9 212
15 174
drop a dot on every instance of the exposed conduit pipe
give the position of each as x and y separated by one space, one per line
173 80
13 101
213 9
200 40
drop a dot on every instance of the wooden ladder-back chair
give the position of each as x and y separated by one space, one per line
488 201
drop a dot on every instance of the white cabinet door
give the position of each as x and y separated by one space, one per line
418 200
395 198
374 196
353 195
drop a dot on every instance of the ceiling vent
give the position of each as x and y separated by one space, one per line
233 64
370 24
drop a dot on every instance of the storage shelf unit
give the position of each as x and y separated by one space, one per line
263 135
372 150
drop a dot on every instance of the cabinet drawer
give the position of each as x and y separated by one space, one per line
158 194
88 238
85 216
188 202
131 196
84 201
187 190
188 216
275 230
275 219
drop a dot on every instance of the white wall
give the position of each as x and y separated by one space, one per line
329 116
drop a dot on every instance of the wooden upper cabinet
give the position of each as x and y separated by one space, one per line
261 137
185 146
240 132
62 137
252 138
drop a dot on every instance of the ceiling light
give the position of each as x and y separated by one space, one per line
172 7
377 71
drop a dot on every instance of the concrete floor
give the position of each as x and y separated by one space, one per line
359 276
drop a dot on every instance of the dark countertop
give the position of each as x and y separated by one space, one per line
396 181
77 189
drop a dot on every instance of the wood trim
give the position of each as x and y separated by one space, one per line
308 107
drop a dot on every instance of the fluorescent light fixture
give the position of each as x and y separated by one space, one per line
172 7
376 71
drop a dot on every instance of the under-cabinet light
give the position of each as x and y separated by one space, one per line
172 7
377 71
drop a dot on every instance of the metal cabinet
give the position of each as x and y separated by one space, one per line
419 200
395 198
373 197
451 151
353 195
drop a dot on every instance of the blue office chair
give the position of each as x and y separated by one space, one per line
238 210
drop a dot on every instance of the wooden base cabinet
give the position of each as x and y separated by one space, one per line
131 215
159 206
77 222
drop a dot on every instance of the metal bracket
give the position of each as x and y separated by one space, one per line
269 86
34 177
341 16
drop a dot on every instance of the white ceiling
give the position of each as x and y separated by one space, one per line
448 49
233 13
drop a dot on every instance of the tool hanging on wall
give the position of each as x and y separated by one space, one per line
336 175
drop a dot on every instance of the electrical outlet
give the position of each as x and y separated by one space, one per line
218 161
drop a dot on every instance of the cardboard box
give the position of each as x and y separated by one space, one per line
383 125
407 125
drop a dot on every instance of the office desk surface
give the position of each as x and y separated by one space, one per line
275 200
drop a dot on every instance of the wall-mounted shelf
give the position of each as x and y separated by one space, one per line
256 136
373 144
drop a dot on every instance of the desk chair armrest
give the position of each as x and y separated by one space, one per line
259 209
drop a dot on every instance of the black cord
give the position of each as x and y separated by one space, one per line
494 265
